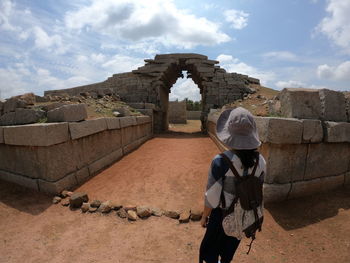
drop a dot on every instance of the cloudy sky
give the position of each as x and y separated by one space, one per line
60 44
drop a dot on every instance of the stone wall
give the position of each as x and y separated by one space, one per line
50 157
152 82
193 115
303 156
177 112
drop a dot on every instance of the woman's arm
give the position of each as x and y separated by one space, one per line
206 214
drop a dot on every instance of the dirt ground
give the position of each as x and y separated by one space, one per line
169 171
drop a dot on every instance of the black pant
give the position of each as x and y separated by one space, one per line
215 242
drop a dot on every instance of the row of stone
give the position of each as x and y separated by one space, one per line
80 200
46 134
294 131
320 104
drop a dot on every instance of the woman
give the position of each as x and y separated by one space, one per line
237 130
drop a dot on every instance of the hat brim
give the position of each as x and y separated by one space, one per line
235 141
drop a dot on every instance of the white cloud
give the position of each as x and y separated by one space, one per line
237 18
281 55
290 84
336 26
159 20
121 63
6 10
340 72
185 88
296 84
44 41
232 64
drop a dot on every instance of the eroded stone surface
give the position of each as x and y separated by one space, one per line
88 127
337 131
300 103
68 113
279 130
312 131
41 134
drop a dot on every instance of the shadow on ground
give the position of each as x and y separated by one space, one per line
23 199
297 213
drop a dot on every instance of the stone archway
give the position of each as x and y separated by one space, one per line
151 83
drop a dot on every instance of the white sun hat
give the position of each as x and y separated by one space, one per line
236 128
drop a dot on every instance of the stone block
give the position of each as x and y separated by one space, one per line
67 182
132 146
276 192
112 123
148 112
68 113
102 144
86 128
312 131
337 131
137 105
327 159
20 180
127 121
300 103
285 162
26 116
11 104
105 161
40 134
129 134
82 175
314 186
53 106
150 106
143 119
279 130
8 119
2 135
333 105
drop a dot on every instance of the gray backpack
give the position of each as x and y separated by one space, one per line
245 215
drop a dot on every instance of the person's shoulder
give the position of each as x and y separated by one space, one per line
262 160
219 160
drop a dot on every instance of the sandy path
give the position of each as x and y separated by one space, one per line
168 171
173 172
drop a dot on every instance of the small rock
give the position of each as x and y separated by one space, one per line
196 215
92 209
66 193
122 213
117 114
104 207
143 211
157 212
65 202
115 205
56 200
132 216
95 203
184 217
77 199
130 207
172 214
85 207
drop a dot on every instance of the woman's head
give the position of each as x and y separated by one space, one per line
236 128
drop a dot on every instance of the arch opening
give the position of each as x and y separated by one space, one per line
184 72
184 105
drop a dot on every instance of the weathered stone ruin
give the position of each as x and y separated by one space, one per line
152 82
307 149
177 112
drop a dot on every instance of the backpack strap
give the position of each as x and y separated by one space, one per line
238 177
